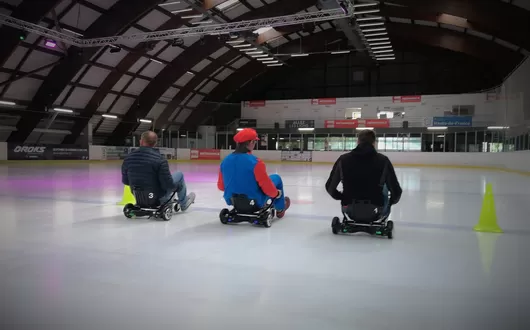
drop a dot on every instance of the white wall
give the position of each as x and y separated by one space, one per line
3 150
95 152
486 111
514 97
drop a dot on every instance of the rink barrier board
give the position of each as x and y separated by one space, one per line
175 161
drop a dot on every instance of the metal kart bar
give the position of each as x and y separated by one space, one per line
213 29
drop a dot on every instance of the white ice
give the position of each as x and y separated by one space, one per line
69 259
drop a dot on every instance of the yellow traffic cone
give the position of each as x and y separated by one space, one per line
488 217
128 197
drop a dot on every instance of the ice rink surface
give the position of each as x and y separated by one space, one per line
69 259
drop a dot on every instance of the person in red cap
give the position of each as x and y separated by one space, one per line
243 173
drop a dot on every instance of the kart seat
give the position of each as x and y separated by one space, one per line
363 211
244 205
146 197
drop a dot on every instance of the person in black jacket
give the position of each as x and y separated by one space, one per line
147 168
365 175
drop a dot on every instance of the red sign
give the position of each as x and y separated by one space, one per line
375 123
345 123
357 123
255 104
205 154
328 101
407 99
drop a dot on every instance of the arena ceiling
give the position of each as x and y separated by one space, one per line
170 84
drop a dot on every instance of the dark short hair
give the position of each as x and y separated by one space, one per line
366 136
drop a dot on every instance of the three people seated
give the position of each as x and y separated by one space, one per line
366 175
242 173
147 168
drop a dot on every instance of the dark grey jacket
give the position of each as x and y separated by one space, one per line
147 168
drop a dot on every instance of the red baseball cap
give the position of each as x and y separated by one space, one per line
246 134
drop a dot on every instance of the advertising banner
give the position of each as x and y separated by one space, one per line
247 123
357 123
299 123
115 153
297 156
326 101
168 153
255 104
205 154
45 152
375 123
453 121
407 99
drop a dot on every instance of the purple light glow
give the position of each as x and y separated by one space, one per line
50 44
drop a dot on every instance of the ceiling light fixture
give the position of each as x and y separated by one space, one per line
181 10
145 121
255 53
63 110
381 47
265 58
374 30
383 51
226 4
375 34
363 19
169 3
379 43
235 42
203 22
341 52
270 62
371 24
377 39
192 16
248 49
385 58
240 46
366 12
156 61
109 116
262 55
299 55
279 64
7 103
365 4
437 128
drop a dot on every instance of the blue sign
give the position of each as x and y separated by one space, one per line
453 121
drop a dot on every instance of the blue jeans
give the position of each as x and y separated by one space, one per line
178 185
279 204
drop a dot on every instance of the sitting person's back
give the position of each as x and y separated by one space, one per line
242 173
239 177
145 168
366 175
148 169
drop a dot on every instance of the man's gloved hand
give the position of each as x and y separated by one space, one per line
279 194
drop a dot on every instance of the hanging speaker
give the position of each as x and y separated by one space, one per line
405 124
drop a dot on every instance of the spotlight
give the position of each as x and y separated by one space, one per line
177 42
50 43
344 7
115 49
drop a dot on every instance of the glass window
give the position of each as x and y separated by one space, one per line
283 142
321 142
412 142
336 142
350 141
296 142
